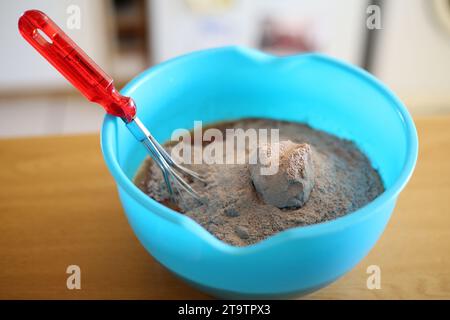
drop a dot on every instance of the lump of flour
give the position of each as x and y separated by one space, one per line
290 185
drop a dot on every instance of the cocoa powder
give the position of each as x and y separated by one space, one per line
235 212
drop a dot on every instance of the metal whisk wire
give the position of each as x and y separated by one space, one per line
164 161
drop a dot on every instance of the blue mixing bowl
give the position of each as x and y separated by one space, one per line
232 83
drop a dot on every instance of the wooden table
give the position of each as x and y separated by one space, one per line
59 207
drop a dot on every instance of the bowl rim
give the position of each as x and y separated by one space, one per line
110 123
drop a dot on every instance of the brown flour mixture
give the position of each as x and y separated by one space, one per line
320 178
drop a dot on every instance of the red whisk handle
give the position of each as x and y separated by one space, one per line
74 64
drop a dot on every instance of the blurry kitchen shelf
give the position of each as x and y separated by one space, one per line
130 56
130 20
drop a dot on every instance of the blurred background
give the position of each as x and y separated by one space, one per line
410 53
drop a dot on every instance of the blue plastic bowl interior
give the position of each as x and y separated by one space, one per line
231 83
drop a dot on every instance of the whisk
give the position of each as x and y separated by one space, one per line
75 65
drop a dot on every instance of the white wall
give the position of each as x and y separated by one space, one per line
177 29
413 56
